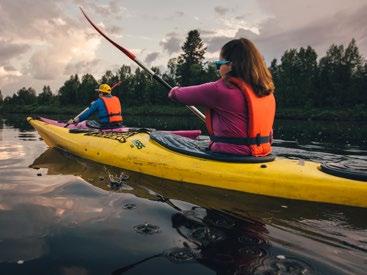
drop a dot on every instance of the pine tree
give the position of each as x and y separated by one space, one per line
46 96
340 72
124 90
68 92
86 91
190 63
24 96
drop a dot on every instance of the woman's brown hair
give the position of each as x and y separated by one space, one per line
249 65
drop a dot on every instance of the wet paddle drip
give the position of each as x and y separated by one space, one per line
119 136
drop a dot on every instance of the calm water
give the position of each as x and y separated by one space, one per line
60 214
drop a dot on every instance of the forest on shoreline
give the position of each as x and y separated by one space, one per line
332 87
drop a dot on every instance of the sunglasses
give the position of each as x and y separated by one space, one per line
219 63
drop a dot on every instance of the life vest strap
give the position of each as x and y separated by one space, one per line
242 141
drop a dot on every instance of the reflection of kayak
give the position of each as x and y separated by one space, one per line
263 208
159 154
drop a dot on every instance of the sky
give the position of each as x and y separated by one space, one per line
43 42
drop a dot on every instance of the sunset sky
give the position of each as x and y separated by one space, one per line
43 42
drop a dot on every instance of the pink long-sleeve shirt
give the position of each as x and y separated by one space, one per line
229 111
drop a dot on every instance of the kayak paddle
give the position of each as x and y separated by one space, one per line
133 58
75 118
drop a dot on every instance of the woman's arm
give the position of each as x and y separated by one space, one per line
202 95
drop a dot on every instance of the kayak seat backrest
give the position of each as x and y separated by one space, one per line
199 148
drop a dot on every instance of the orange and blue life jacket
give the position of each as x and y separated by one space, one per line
113 109
107 108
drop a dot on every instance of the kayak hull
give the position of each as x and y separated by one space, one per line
284 178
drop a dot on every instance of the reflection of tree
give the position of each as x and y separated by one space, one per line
222 242
18 121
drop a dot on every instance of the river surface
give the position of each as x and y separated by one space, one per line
60 214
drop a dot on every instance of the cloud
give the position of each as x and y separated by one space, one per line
51 42
312 11
243 16
207 32
171 17
339 28
111 9
179 13
275 35
21 20
9 50
8 71
82 67
151 57
171 44
214 44
221 10
50 62
41 68
8 75
114 29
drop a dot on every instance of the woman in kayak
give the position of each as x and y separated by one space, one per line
240 105
107 108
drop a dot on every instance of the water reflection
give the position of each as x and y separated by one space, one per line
217 229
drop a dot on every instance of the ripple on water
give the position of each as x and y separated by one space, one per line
180 255
220 221
147 229
27 136
251 251
207 235
76 189
129 206
282 265
250 240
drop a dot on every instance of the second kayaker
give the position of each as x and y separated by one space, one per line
240 105
107 107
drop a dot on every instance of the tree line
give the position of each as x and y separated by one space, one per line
302 80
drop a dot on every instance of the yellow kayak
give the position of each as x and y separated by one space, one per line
138 151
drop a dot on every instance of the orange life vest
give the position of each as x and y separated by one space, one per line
261 113
113 108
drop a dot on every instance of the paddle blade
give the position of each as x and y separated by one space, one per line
125 51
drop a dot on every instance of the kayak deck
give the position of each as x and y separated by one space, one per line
285 178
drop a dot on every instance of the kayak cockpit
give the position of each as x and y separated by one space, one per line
199 148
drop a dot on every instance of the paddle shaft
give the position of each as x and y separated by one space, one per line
75 118
133 57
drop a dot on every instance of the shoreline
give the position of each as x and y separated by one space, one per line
358 113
